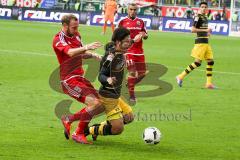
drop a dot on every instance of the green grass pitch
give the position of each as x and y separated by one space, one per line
208 127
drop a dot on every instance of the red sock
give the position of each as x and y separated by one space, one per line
131 84
85 118
74 117
80 115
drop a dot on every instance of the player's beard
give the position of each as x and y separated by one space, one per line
69 33
132 17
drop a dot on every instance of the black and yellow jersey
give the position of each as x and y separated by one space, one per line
201 22
112 65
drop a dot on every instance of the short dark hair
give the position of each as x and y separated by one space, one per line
132 4
120 33
67 18
203 2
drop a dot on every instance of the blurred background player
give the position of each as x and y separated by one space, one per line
135 55
202 50
111 76
188 13
110 9
70 51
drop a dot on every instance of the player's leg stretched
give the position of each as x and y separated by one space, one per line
113 127
127 114
115 123
191 67
94 108
85 115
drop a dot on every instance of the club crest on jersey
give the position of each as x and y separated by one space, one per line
138 23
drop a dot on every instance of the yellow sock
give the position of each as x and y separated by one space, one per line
189 68
209 74
96 129
100 129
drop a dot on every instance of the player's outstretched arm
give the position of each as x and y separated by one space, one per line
81 50
89 54
144 35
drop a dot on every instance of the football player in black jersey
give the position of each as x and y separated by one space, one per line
111 77
201 50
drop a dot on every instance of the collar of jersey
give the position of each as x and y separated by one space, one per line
132 19
66 35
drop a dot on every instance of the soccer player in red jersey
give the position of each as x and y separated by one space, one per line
70 51
135 56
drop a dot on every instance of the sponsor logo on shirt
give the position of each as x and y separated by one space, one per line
134 28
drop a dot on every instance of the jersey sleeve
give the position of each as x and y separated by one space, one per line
61 45
195 21
104 71
102 76
120 24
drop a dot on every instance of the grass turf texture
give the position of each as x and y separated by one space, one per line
30 129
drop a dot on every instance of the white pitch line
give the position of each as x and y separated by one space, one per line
201 70
49 55
25 52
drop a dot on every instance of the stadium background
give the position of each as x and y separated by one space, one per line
160 15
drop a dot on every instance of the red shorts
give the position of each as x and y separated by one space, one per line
79 88
136 63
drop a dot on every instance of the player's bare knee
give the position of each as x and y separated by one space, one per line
117 130
117 126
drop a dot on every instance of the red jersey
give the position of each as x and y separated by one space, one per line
135 26
69 66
